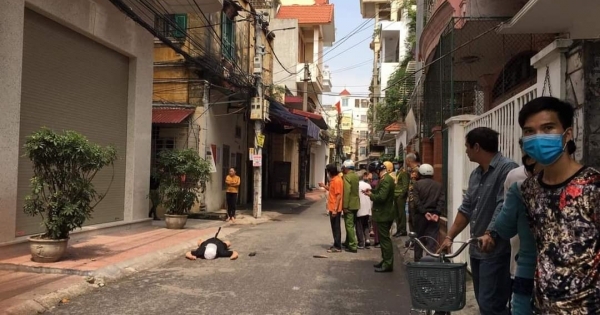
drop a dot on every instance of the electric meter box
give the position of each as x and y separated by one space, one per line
256 109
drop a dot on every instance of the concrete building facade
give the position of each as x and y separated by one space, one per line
81 66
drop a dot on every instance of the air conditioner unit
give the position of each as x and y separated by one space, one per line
256 109
257 66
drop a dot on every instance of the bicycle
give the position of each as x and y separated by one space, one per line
437 285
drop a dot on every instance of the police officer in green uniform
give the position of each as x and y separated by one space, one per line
350 204
384 213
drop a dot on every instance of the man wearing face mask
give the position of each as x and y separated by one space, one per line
563 203
513 222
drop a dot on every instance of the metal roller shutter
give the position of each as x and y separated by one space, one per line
72 82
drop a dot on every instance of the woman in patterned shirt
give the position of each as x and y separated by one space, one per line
563 203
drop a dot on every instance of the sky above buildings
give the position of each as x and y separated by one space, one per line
350 59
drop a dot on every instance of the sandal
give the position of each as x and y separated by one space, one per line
334 250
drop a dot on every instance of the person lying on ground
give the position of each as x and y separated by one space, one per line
212 248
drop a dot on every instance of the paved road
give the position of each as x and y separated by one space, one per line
283 278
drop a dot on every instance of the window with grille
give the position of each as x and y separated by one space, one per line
344 102
363 118
357 103
171 25
363 134
364 103
517 71
227 37
363 151
161 144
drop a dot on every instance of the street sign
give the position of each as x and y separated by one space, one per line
257 160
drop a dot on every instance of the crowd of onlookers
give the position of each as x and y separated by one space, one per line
372 201
538 224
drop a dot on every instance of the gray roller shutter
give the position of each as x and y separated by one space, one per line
72 82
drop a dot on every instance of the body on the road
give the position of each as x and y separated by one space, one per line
384 213
212 248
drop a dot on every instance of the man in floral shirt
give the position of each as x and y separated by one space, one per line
563 202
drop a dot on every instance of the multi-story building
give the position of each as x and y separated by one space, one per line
480 68
63 71
302 28
355 126
194 100
390 51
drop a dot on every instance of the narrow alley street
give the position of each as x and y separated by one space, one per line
282 278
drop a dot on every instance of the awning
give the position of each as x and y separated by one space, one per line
282 115
289 99
315 118
171 115
556 16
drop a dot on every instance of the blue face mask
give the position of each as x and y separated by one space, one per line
546 149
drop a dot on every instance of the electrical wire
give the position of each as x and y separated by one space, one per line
406 77
279 61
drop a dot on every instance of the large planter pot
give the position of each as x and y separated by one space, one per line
46 250
175 221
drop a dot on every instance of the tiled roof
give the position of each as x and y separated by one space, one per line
164 115
307 14
344 92
396 126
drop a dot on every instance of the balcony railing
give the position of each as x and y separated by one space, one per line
503 118
430 7
316 75
326 80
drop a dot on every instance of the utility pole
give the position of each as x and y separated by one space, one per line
258 124
303 141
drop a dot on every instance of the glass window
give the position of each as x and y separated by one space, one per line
227 37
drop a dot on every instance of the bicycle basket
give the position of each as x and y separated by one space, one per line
437 286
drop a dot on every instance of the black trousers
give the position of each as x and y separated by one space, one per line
362 230
231 201
336 229
427 232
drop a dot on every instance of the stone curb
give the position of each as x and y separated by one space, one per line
109 274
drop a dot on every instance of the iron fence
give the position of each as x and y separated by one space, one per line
474 68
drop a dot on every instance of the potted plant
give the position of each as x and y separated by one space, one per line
182 174
62 192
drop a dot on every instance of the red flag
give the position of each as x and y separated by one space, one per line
338 107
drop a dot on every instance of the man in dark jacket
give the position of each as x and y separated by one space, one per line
428 200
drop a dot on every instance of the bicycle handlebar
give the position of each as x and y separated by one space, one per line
414 238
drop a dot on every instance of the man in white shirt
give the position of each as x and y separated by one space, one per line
363 214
